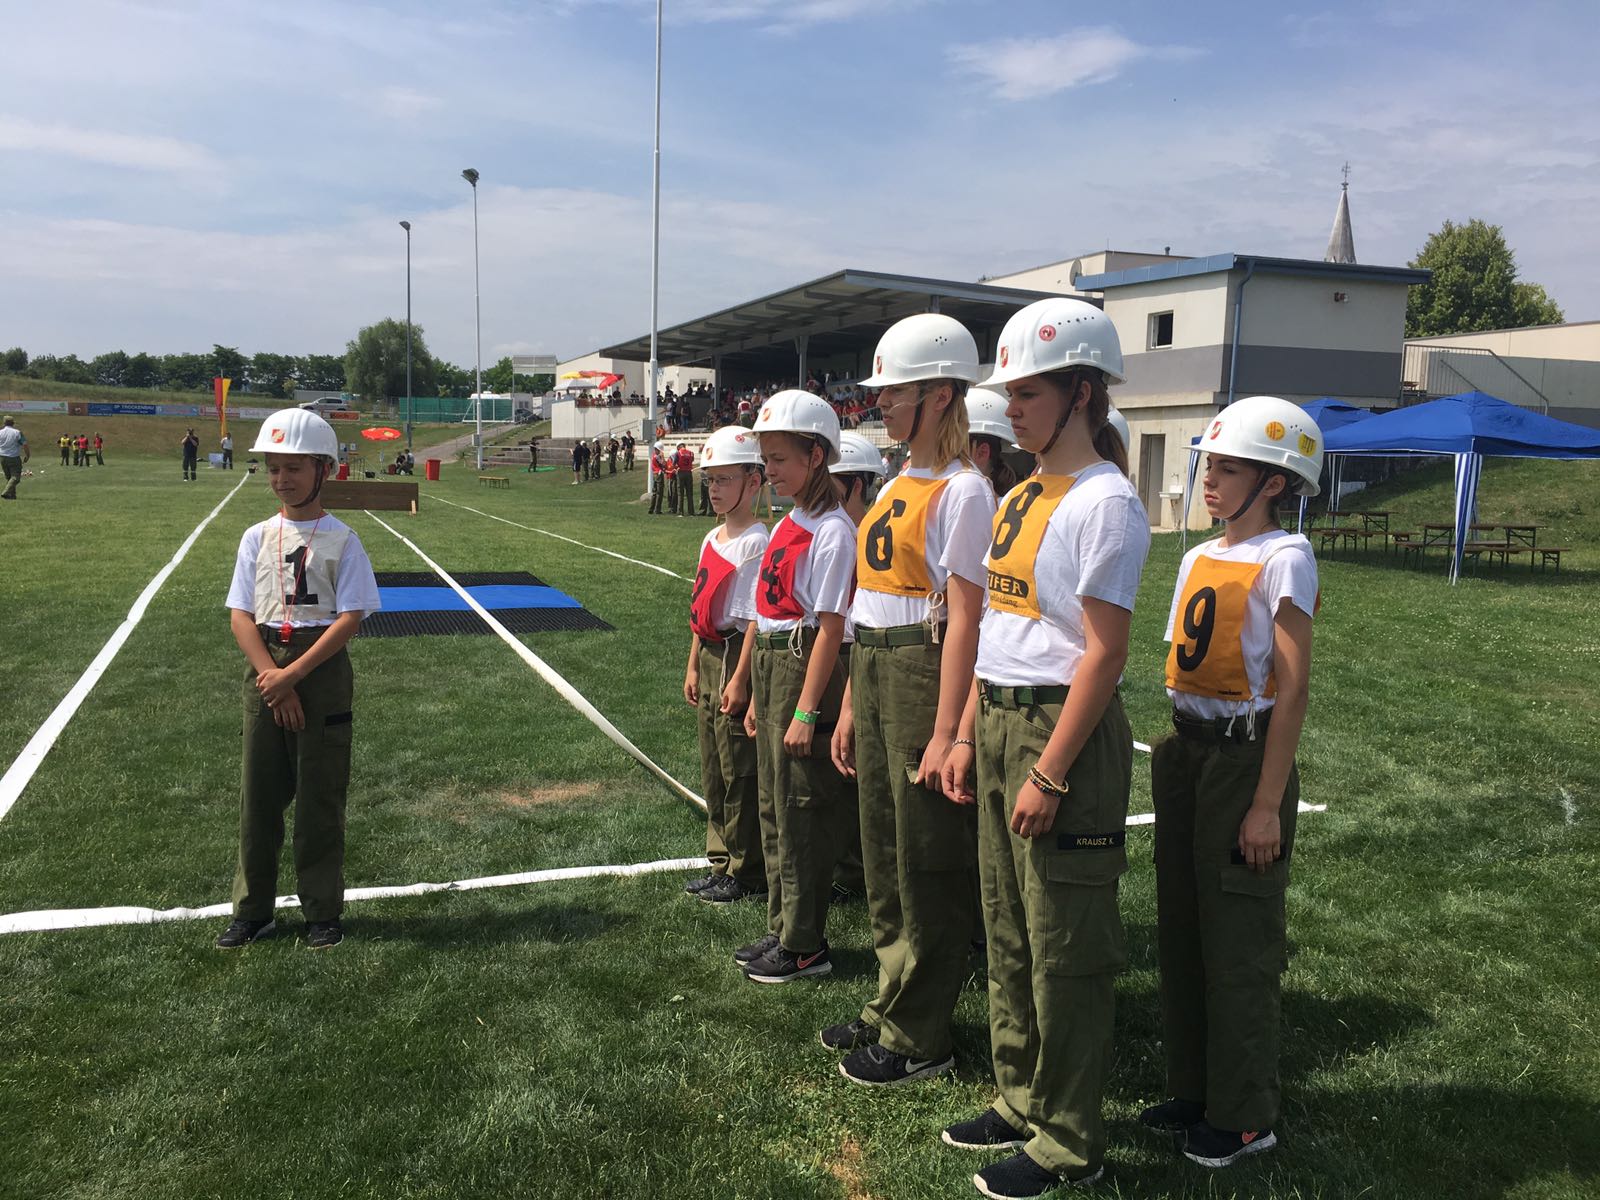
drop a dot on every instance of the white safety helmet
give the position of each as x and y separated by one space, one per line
986 415
297 431
794 411
858 456
1119 423
924 346
1049 335
730 446
1270 431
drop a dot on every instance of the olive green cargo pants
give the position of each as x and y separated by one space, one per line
920 851
806 806
1055 933
310 768
728 773
1221 932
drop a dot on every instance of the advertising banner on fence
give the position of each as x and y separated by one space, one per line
142 410
34 406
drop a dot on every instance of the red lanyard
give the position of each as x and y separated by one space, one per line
299 575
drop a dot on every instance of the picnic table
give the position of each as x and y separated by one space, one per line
1517 538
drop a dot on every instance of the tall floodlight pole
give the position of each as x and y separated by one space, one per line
471 177
406 225
655 252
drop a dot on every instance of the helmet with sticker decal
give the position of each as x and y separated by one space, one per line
1052 334
795 411
924 346
1270 431
297 431
730 446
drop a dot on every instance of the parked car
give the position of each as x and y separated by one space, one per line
326 404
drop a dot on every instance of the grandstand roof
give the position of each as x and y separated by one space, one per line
843 312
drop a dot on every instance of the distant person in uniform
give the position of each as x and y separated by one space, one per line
65 444
227 451
191 452
13 453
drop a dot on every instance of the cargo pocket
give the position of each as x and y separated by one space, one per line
940 834
1251 908
1081 927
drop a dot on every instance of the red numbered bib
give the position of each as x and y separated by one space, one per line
710 580
775 598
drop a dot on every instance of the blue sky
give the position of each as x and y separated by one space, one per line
178 174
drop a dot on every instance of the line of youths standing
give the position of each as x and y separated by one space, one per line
943 683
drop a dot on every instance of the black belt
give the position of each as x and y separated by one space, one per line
1023 697
1221 729
304 636
778 639
898 635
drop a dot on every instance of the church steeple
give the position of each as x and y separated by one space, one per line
1342 242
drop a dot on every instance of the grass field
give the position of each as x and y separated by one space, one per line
592 1038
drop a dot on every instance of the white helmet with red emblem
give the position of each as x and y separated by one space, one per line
1052 334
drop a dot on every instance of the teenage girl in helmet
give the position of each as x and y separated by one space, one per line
1053 750
802 595
990 437
722 614
1225 786
919 574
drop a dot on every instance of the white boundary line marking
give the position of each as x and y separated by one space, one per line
1569 806
561 537
86 918
549 674
33 754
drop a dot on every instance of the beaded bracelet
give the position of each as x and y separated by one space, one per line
963 742
1045 784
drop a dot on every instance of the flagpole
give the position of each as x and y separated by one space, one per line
655 254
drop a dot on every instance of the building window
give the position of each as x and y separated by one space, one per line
1160 331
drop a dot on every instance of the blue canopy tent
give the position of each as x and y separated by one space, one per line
1467 427
1328 413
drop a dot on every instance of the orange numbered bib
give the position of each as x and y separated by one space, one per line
892 555
1207 655
1019 526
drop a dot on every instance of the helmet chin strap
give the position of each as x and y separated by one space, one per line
327 469
1061 423
1266 476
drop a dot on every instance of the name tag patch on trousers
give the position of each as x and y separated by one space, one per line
1091 841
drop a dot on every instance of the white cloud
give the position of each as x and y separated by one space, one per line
139 151
1027 68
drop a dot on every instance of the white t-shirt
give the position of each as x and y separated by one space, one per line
1095 546
1288 572
825 574
737 603
355 588
11 441
960 525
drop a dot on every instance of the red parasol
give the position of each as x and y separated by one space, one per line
381 434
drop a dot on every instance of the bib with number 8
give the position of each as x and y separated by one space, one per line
1019 527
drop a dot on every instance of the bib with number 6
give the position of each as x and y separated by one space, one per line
1207 654
1019 527
891 555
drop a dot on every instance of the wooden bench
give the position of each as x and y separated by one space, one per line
378 496
495 480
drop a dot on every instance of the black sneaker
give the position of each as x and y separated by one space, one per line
745 955
849 1035
780 965
874 1066
726 890
323 935
1211 1147
987 1131
242 933
1020 1176
1173 1116
695 886
839 894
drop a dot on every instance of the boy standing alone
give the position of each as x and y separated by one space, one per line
301 585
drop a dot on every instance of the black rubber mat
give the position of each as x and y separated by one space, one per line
517 620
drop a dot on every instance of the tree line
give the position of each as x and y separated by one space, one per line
373 366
